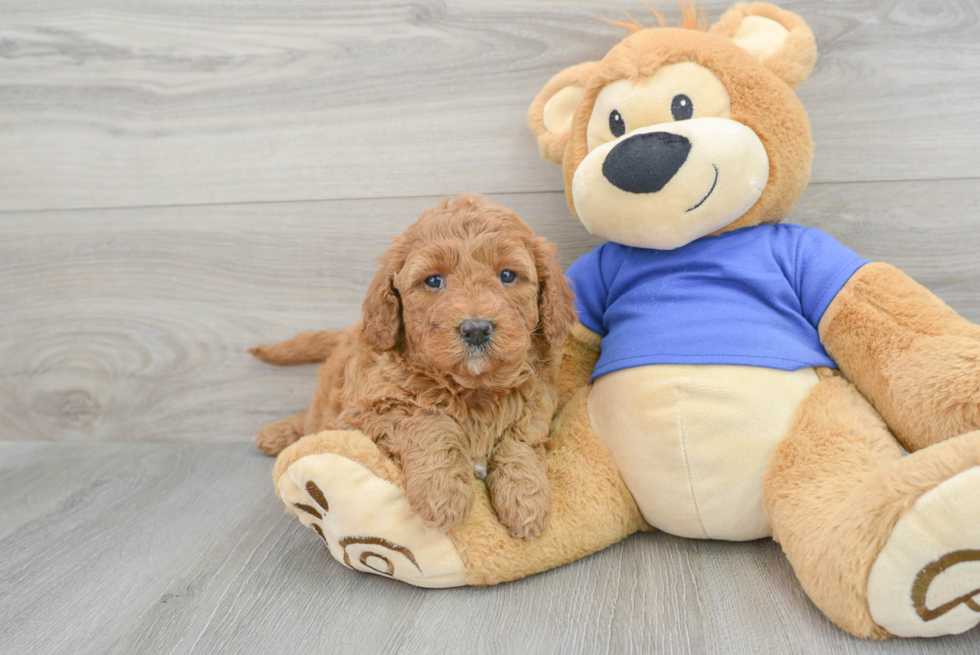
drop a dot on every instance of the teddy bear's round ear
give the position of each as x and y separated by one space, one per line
550 115
779 38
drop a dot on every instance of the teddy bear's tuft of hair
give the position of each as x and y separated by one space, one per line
694 18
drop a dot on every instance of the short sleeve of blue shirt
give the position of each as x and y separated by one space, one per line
589 276
750 297
822 266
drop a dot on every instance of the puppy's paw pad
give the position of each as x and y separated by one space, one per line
926 580
366 522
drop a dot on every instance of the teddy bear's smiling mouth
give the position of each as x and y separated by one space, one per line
710 191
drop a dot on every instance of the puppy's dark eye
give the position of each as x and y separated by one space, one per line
681 107
508 276
434 281
616 123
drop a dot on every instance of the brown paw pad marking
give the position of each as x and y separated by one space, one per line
308 510
317 495
321 500
929 573
369 557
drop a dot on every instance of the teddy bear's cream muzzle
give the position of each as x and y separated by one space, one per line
666 185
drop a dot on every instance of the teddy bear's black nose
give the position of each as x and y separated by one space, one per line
475 332
644 163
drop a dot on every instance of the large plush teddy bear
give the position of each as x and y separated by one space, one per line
748 378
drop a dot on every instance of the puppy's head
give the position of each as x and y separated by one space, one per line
472 293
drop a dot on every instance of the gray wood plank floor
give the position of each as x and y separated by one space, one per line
183 548
181 181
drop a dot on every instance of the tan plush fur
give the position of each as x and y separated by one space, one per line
406 378
836 487
552 145
794 62
580 353
916 359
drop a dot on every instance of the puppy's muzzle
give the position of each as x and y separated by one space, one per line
475 332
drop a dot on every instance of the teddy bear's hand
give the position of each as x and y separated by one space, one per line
915 358
519 489
579 356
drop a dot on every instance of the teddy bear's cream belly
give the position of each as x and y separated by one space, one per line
694 442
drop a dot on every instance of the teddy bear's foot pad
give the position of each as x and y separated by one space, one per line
926 580
366 522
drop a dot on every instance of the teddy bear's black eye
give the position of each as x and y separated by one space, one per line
508 277
434 281
616 124
681 107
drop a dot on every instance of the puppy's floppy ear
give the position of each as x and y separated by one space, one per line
381 313
550 115
556 303
779 38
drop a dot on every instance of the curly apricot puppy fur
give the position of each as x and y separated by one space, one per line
454 363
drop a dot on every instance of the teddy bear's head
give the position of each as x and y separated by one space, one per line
679 133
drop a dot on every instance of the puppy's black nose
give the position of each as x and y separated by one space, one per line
475 332
644 163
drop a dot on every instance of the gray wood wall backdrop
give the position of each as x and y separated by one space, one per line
182 180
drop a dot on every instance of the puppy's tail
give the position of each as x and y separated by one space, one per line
306 348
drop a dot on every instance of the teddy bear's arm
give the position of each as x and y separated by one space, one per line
915 358
579 356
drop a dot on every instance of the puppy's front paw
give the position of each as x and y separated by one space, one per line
523 504
443 499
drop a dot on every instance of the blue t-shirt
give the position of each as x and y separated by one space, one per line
751 297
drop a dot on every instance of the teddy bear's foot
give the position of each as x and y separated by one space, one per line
926 580
339 484
362 517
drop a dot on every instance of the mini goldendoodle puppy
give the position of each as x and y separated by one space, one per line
453 366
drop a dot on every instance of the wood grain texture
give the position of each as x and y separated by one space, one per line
183 548
145 102
133 324
181 181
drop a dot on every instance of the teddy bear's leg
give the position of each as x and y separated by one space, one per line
870 532
341 486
